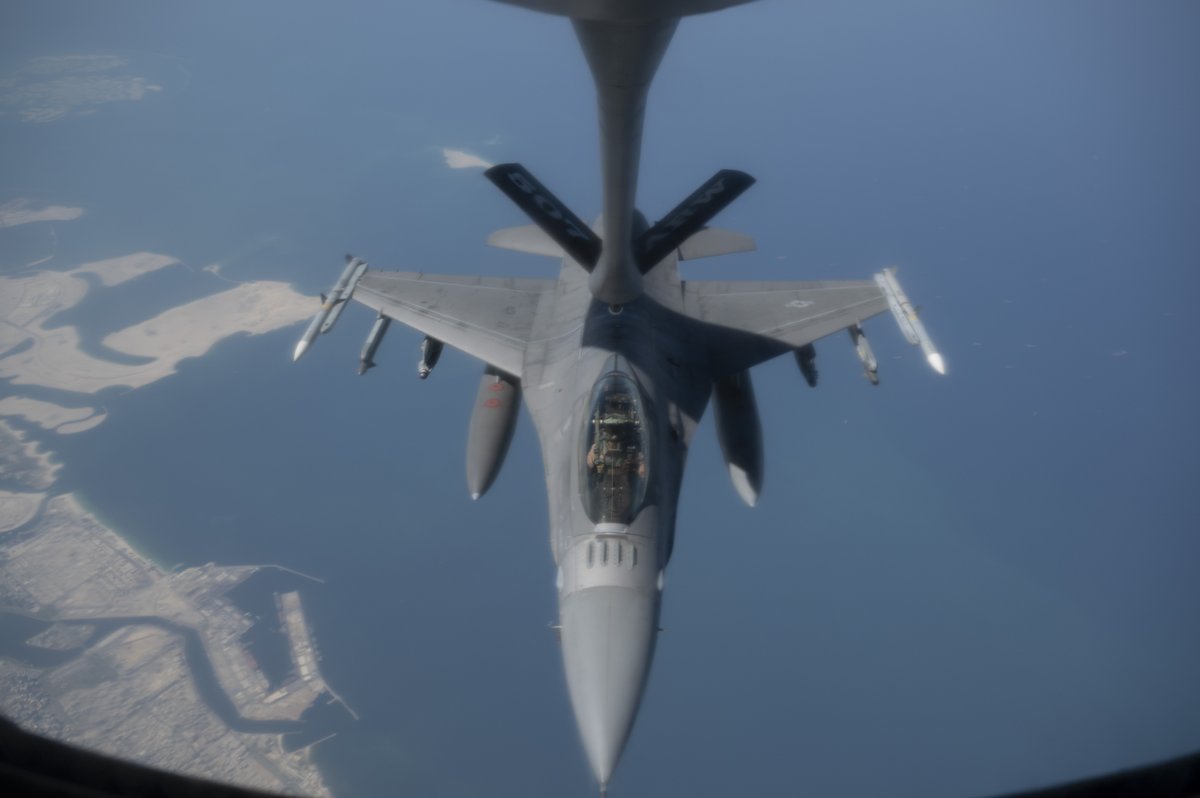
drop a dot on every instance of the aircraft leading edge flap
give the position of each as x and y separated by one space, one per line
689 216
490 318
547 212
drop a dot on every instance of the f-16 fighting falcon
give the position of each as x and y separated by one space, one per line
616 361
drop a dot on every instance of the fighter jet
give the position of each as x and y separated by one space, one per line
616 361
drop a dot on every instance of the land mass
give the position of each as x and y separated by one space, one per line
34 353
113 663
100 646
24 211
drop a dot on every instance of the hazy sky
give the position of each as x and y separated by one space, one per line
951 586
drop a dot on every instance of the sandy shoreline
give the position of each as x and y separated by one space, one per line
34 353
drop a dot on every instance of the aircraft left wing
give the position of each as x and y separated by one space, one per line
487 317
765 319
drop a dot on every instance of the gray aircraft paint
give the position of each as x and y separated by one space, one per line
662 342
493 421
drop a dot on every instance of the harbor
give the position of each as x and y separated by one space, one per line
149 663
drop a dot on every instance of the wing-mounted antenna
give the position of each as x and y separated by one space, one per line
547 212
688 217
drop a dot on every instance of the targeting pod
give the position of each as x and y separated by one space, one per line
806 359
862 348
431 350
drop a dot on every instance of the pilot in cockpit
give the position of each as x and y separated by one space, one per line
615 448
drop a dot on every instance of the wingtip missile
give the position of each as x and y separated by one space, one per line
340 297
311 332
906 317
331 304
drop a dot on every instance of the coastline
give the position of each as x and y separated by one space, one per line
130 656
132 688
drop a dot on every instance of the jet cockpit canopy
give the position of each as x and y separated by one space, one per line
615 457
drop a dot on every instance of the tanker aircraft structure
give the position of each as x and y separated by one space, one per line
616 360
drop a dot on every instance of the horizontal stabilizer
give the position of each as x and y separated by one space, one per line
689 216
527 238
713 241
547 212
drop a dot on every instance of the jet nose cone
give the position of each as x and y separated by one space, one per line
608 636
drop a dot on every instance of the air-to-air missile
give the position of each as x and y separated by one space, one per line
332 305
431 350
906 317
366 358
492 423
806 359
863 348
739 432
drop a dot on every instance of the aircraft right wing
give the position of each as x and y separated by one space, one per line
487 317
765 319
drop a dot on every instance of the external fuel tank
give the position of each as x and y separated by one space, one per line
492 423
739 432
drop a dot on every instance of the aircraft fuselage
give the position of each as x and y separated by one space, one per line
616 383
